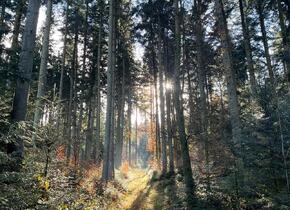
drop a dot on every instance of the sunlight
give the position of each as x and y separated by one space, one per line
168 85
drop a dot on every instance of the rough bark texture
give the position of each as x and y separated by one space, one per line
232 97
26 62
43 68
186 163
110 92
25 69
15 37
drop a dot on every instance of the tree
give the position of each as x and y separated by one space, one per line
110 92
186 164
231 88
25 69
43 68
248 48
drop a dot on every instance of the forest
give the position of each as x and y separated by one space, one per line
145 104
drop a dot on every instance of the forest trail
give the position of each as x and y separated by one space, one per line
144 194
135 183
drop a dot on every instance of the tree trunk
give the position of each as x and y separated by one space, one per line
187 171
98 90
120 119
265 41
129 127
248 48
72 95
162 99
110 92
63 62
232 94
15 37
43 70
88 140
169 128
157 127
285 40
202 88
136 135
26 62
25 69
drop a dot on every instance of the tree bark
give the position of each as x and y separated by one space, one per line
15 36
110 92
129 127
25 70
120 119
187 171
285 41
248 48
97 90
72 95
43 70
26 62
202 88
265 41
162 99
232 94
157 127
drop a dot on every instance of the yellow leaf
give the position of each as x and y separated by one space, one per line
46 185
39 178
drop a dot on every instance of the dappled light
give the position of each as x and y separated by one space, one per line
144 105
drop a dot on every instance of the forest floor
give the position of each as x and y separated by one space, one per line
144 192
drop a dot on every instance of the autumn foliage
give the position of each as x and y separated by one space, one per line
124 169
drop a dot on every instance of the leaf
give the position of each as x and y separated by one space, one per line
46 185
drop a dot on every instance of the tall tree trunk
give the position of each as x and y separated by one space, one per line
157 127
248 48
265 41
63 63
169 127
187 171
110 91
25 69
120 119
26 62
17 24
274 101
88 140
168 92
15 37
98 90
202 88
129 127
136 135
232 93
285 40
73 92
43 70
162 99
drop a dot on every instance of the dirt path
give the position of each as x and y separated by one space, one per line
142 194
136 183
